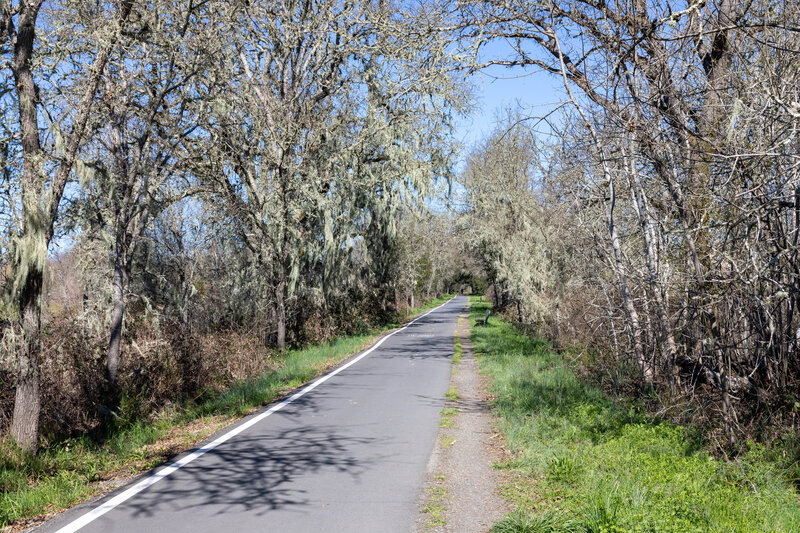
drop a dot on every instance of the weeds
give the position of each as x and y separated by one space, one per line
447 420
435 508
452 394
546 522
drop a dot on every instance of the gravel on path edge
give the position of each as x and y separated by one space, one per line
461 489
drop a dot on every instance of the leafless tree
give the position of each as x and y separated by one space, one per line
691 112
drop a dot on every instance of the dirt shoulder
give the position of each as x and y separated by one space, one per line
461 493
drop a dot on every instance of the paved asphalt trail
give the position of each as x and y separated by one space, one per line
349 456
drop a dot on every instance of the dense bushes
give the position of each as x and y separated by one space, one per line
582 462
658 221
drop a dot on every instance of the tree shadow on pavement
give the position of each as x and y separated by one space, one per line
254 473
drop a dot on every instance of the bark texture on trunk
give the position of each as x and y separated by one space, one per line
280 314
27 399
117 319
36 229
122 200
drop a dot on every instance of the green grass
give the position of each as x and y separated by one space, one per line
548 521
584 463
452 394
458 350
64 474
435 512
447 420
67 472
435 508
298 367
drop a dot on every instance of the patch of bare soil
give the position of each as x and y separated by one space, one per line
461 493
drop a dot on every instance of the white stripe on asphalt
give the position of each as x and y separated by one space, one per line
99 511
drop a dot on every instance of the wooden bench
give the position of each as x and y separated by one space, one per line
484 320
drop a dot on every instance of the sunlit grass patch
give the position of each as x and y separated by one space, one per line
297 367
452 394
597 466
434 508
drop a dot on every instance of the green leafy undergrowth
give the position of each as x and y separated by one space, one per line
71 470
584 463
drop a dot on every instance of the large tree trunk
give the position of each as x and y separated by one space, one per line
284 264
280 312
120 285
27 401
39 205
122 199
32 253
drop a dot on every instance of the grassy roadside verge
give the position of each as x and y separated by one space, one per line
583 463
74 470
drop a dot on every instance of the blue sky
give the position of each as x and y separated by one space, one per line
500 88
496 90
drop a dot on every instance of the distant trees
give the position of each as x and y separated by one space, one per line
507 225
429 256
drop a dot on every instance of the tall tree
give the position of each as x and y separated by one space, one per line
46 170
315 108
149 110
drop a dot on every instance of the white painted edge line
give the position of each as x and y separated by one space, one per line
99 511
